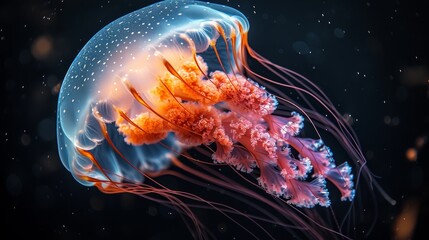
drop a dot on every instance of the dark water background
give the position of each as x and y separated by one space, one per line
370 57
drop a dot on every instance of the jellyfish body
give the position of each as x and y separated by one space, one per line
174 76
129 52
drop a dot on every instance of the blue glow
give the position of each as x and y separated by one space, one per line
130 48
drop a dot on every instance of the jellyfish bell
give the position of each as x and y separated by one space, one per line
172 79
132 52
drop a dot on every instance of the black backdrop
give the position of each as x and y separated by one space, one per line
371 58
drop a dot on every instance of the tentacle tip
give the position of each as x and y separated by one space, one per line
349 195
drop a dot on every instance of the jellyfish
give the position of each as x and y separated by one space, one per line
167 91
